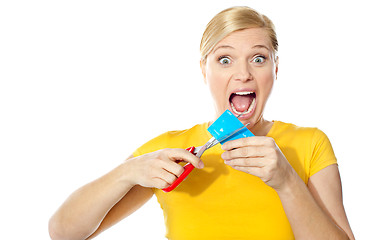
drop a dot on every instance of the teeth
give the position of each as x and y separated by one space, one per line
243 93
252 105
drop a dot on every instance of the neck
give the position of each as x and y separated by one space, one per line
261 127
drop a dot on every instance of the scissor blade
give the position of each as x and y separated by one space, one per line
200 150
232 133
212 142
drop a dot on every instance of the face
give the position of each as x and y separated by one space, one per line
240 72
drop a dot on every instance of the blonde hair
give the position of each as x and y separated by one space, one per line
231 20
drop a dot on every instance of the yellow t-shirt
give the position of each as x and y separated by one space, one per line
219 202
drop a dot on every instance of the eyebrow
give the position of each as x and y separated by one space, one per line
223 46
260 46
228 46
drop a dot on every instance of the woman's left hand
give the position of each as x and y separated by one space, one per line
259 156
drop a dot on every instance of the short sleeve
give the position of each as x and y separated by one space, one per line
322 152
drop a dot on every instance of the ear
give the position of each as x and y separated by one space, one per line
203 70
276 67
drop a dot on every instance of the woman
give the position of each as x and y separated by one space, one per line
282 183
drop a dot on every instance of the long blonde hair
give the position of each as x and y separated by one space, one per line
231 20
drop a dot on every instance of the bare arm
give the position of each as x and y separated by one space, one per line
132 201
326 188
84 210
314 213
317 212
105 201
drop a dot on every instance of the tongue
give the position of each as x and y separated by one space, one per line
241 102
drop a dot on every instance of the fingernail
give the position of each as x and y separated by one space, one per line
201 164
223 155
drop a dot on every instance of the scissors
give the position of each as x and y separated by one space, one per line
198 151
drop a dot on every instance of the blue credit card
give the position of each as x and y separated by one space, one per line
226 124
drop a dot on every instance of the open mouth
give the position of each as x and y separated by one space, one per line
242 102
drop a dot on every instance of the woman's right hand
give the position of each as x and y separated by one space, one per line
159 169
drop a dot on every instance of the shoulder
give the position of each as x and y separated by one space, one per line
291 131
309 140
305 146
179 136
170 139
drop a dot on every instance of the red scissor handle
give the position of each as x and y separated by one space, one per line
187 169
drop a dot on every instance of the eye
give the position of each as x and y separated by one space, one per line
224 60
259 59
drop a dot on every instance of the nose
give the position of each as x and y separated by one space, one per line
242 72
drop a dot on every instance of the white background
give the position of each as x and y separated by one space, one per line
84 83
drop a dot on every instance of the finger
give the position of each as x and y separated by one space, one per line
244 152
255 171
159 183
242 169
248 141
182 154
246 162
172 168
166 176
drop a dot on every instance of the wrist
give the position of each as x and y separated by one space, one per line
289 184
125 174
